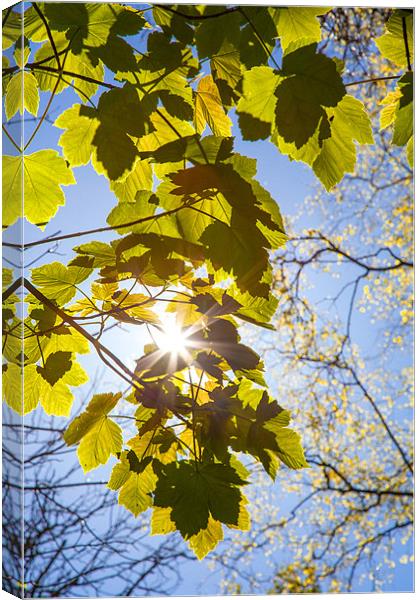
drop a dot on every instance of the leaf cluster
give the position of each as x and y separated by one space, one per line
192 226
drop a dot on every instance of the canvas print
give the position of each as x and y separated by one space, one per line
207 299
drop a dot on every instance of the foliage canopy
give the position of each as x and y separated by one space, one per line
193 230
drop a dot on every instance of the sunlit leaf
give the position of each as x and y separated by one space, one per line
98 436
58 282
391 44
209 109
44 174
296 23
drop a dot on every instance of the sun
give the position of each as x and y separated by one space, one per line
170 337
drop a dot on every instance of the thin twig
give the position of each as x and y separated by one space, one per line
100 229
373 80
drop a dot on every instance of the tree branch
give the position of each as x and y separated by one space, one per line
98 229
100 348
50 37
227 11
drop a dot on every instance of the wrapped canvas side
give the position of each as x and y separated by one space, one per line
13 313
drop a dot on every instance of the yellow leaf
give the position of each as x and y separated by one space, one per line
209 109
57 399
120 473
160 522
22 94
207 539
104 291
12 389
135 493
99 437
104 439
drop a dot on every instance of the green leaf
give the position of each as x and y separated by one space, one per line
57 281
104 439
140 178
257 104
226 68
404 114
209 109
12 29
195 494
105 135
239 249
208 180
120 473
256 310
289 449
312 83
67 339
99 406
79 64
91 25
76 142
174 24
116 54
392 44
56 365
143 207
348 122
212 39
296 23
166 129
410 152
93 254
269 438
44 172
55 399
22 52
22 94
254 48
99 437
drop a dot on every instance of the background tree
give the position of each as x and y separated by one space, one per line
77 540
